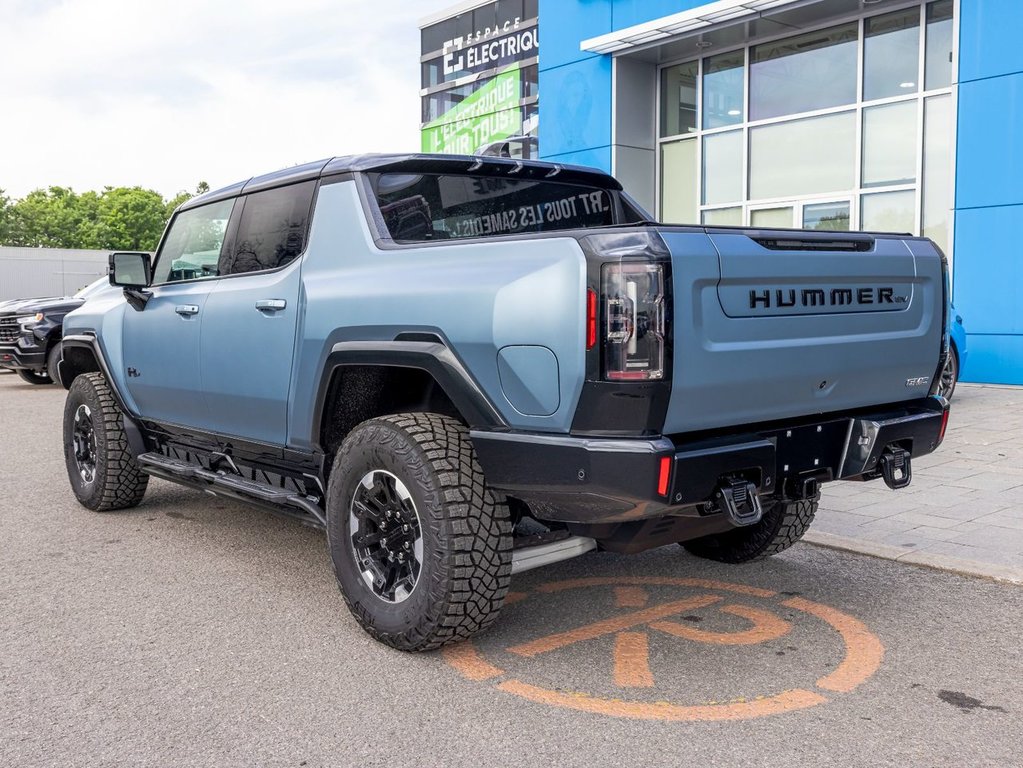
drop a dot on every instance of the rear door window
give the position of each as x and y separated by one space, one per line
272 230
419 207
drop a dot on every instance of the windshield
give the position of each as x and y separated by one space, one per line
418 207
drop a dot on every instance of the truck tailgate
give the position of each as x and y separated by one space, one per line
771 325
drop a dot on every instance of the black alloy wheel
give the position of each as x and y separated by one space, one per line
83 440
386 536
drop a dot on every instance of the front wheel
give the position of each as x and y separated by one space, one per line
53 362
101 467
34 377
783 524
421 547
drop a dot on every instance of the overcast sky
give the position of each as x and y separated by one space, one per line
165 93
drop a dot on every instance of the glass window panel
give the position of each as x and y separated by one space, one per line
769 218
271 231
937 181
890 144
803 157
678 182
891 54
722 168
833 217
678 99
803 73
938 62
722 89
888 211
723 217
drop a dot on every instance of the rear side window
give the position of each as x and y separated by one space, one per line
418 207
272 230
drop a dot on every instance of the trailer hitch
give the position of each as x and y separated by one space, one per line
740 501
896 468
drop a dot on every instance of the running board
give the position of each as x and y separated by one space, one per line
528 558
220 483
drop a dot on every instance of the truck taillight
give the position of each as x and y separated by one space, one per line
634 314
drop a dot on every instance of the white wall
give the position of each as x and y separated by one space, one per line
29 272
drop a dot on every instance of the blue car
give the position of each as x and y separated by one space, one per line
957 357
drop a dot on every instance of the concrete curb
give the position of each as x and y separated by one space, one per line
1002 573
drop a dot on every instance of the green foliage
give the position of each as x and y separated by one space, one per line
118 218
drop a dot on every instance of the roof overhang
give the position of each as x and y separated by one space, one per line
695 20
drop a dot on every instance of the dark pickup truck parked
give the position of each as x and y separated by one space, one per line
31 332
417 353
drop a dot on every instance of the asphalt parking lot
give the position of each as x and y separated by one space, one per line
195 631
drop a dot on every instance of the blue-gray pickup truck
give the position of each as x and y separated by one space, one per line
465 367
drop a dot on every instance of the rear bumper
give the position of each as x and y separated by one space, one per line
587 480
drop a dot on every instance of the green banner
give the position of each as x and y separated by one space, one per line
490 114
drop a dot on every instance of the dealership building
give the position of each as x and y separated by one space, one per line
891 115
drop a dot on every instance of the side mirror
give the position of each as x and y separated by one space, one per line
131 270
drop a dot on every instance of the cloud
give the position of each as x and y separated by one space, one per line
164 93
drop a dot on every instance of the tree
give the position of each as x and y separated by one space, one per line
130 218
52 218
6 212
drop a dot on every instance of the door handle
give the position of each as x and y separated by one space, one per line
186 309
271 305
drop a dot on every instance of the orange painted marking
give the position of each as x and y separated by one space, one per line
632 660
603 581
631 597
766 626
863 651
515 597
639 710
612 625
466 659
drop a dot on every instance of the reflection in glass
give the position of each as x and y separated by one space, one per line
678 99
891 55
769 218
722 89
803 73
937 181
831 217
888 211
938 62
803 157
678 182
889 144
723 217
722 168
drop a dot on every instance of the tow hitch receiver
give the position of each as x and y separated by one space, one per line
896 468
740 501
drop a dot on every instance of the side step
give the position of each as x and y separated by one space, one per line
278 499
528 558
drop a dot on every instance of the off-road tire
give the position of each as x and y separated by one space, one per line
34 377
783 524
53 362
118 482
466 531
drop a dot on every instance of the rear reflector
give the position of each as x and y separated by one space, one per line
944 425
664 476
591 319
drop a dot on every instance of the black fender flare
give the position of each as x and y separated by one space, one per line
432 356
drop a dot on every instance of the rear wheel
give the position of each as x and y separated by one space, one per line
421 547
102 469
34 377
783 524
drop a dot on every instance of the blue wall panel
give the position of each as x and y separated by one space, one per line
600 158
988 276
989 165
989 270
576 107
629 12
566 23
989 38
